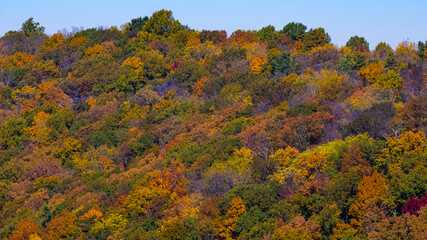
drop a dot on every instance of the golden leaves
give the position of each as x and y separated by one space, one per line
95 50
133 63
372 72
308 166
406 52
92 214
17 59
79 41
52 42
284 157
237 208
370 191
40 131
258 63
199 86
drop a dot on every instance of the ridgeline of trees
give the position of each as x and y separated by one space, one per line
159 131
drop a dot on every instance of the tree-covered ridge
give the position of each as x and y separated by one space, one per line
159 131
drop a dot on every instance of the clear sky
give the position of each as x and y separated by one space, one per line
390 21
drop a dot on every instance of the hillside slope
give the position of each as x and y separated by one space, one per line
159 131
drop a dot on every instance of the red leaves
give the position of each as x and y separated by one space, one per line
175 66
413 206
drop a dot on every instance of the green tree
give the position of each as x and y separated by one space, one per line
266 33
237 125
352 61
142 144
389 80
136 25
260 195
30 27
249 220
422 49
162 23
175 230
108 137
284 210
294 31
13 133
328 218
356 41
284 64
315 38
46 215
382 51
188 73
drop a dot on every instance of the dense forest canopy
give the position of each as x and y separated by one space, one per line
160 131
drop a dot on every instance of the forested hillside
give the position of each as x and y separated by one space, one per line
158 131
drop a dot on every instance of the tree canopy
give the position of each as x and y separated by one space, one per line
30 27
157 131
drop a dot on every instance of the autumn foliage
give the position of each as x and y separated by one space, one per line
159 131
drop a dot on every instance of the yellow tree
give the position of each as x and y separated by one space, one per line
199 86
169 183
284 157
257 64
308 166
79 41
406 53
139 199
95 50
43 87
40 131
393 154
371 190
237 209
299 47
91 101
343 231
135 65
241 160
112 223
408 141
367 97
92 215
62 226
17 59
184 208
331 85
199 51
55 40
372 72
391 80
24 229
26 92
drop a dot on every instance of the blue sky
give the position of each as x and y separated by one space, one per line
390 21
